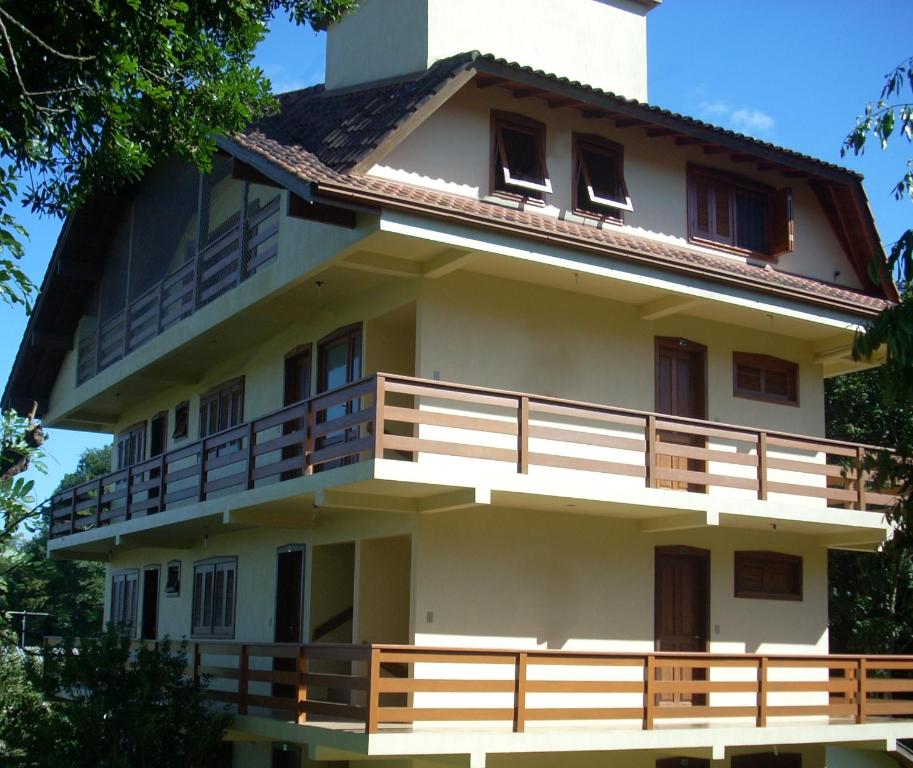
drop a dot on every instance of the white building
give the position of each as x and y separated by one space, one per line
471 412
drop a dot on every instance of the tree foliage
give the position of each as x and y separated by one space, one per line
93 92
108 706
871 594
71 591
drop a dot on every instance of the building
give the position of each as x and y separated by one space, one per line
467 405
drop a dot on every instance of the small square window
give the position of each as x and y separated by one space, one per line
518 160
762 377
173 580
768 576
599 184
181 420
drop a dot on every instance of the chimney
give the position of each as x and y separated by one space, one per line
602 43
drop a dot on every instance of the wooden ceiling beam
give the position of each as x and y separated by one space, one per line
561 102
594 114
688 141
525 93
740 158
630 122
487 81
715 149
654 133
796 174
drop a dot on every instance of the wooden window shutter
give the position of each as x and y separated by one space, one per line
780 221
722 209
700 209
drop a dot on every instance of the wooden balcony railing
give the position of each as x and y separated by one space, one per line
481 431
380 685
231 257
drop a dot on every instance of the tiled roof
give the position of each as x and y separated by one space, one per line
318 136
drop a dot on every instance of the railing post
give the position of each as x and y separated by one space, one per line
308 447
73 510
762 466
861 689
373 702
649 677
250 454
380 398
762 691
202 485
860 478
162 483
302 667
243 669
129 491
523 436
98 495
650 437
520 693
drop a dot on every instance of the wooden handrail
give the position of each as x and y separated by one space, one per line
855 688
244 454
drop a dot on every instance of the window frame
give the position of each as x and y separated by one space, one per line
225 564
734 182
517 189
604 208
216 393
137 430
765 363
181 420
117 613
764 558
172 565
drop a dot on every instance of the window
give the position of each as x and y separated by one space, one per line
222 407
131 445
173 579
214 587
158 434
123 599
518 156
762 377
739 214
338 364
599 184
768 575
181 420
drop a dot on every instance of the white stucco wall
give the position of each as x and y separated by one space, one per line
602 43
484 331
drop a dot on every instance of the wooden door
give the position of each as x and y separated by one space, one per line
150 616
289 593
296 387
682 612
681 390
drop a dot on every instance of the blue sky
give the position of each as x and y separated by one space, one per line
792 73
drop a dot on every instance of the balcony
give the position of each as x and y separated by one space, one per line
384 686
428 436
241 246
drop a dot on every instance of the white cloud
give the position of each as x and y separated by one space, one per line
754 122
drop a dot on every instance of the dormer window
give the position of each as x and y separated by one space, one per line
518 158
599 182
739 214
